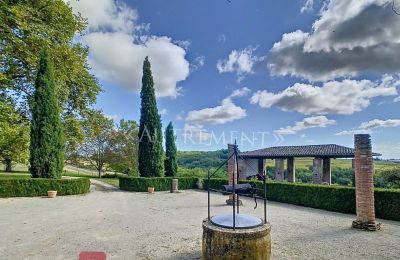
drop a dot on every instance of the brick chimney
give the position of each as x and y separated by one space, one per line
364 177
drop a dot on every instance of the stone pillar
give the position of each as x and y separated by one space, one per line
261 166
353 167
364 167
326 171
279 169
232 169
291 168
174 186
317 170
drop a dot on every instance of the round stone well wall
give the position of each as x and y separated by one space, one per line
244 243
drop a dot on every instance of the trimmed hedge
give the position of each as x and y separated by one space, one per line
332 198
10 187
159 183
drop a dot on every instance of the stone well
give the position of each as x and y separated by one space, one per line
241 243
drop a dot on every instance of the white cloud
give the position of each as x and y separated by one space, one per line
306 123
344 41
196 133
224 113
240 62
307 7
117 48
163 111
368 127
334 97
112 117
397 99
197 63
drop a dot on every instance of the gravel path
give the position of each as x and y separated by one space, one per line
168 226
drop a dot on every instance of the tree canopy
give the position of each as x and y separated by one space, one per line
14 134
28 26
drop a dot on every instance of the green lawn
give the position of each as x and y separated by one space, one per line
114 182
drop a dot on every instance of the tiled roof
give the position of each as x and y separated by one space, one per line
324 150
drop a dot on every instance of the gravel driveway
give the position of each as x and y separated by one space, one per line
163 225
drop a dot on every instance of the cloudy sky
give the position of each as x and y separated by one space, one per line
265 73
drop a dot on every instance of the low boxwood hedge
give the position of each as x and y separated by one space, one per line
140 184
332 198
11 187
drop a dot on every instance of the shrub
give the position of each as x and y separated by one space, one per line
12 187
159 183
332 198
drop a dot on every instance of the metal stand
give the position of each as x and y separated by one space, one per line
235 196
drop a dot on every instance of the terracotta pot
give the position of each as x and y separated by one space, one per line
51 193
150 189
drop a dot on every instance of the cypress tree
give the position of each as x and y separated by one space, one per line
150 134
47 140
171 167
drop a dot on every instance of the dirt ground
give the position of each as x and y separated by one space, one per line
167 225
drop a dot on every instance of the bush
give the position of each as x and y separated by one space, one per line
159 183
11 187
332 198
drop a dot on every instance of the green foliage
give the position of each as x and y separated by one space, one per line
202 159
123 154
27 187
97 131
14 134
150 135
46 137
28 26
171 167
332 197
160 183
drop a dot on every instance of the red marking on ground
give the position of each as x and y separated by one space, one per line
92 255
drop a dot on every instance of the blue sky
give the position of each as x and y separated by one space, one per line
262 72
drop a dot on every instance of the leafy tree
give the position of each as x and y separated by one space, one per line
150 134
14 135
124 148
97 131
26 26
47 140
74 137
171 167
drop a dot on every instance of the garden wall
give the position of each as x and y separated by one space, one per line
10 187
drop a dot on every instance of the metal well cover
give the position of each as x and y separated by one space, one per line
241 220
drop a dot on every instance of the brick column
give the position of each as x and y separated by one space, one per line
317 170
291 168
353 168
232 169
364 168
279 169
326 171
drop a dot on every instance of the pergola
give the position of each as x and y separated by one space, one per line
253 162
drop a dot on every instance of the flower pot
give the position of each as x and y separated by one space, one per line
51 193
150 189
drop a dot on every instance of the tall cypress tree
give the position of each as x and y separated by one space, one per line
47 140
150 134
171 167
